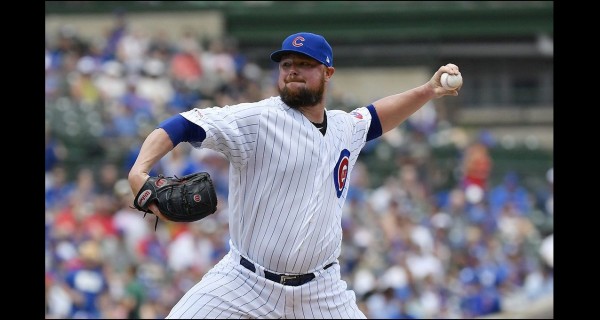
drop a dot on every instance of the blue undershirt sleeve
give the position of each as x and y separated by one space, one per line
181 129
375 130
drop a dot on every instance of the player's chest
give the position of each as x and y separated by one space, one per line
305 150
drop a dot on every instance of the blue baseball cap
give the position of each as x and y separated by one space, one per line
310 44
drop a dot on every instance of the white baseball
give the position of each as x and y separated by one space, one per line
451 81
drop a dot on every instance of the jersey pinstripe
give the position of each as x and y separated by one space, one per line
287 180
229 291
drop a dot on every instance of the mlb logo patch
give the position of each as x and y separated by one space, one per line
198 114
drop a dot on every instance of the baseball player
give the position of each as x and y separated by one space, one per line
291 159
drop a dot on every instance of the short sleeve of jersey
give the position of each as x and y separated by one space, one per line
231 130
366 122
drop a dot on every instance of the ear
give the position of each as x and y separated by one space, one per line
329 71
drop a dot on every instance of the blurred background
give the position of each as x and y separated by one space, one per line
448 216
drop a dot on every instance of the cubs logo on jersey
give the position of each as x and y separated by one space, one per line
340 172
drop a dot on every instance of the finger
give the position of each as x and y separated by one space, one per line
451 68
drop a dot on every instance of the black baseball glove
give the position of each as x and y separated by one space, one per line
186 199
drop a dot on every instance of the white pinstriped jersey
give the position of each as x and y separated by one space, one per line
288 182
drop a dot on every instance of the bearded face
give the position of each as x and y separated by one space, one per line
302 97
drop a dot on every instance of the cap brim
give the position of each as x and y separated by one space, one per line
276 56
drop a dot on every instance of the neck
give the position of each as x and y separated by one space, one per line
315 114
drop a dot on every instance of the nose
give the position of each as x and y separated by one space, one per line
292 75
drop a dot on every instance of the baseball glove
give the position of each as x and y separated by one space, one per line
186 199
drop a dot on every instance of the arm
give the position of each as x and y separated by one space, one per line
158 143
393 110
156 146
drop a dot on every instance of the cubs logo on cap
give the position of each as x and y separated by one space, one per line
310 44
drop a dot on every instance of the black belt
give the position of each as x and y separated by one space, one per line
287 280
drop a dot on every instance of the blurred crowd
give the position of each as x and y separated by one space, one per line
409 250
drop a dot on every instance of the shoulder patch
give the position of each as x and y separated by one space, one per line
356 114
